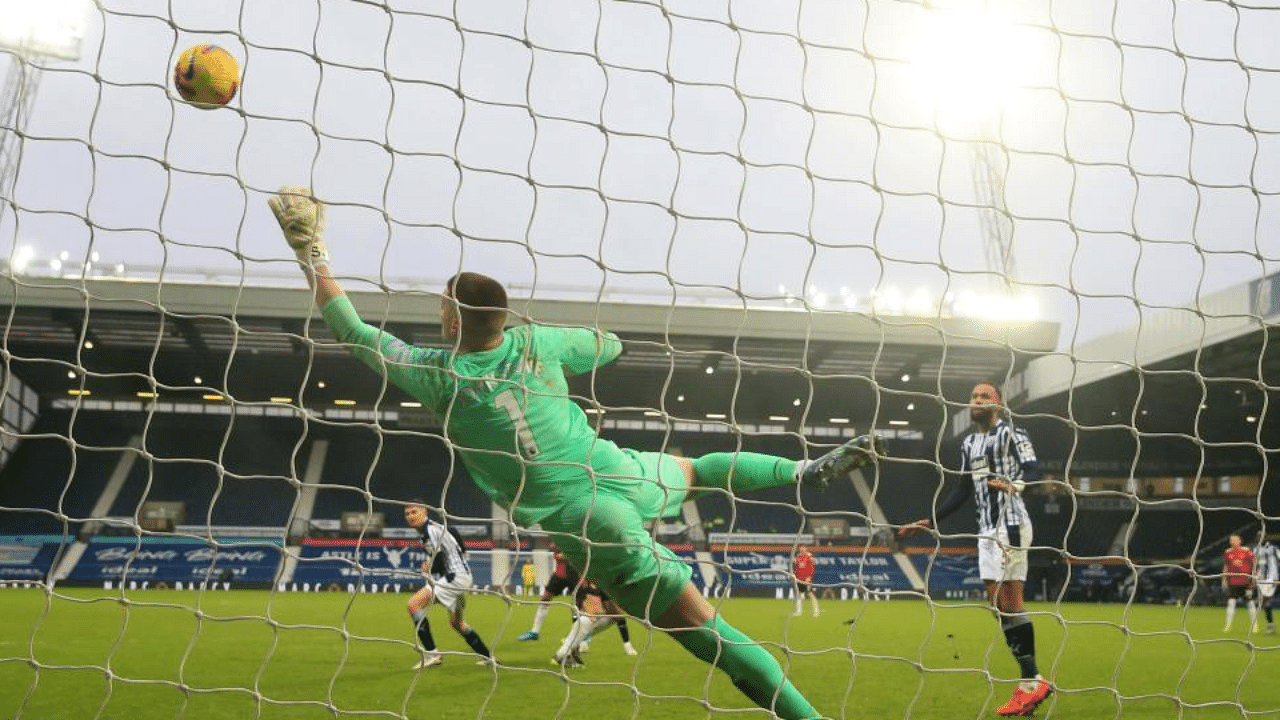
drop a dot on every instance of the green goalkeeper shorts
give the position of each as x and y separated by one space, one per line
653 482
602 535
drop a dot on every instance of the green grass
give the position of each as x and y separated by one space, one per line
169 654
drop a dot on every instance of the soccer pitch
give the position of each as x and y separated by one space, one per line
169 654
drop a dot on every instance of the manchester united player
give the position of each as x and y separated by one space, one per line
564 579
803 570
1237 580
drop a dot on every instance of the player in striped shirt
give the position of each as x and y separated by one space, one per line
448 582
999 461
1267 571
504 400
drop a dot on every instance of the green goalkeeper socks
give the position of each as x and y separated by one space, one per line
753 670
744 471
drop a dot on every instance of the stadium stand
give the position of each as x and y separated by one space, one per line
47 475
404 465
252 488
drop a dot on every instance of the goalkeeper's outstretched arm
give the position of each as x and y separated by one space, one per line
301 218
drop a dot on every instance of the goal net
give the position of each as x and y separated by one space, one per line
805 221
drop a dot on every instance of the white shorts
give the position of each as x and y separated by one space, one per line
450 593
998 561
1266 589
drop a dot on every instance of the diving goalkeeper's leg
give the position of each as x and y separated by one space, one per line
694 624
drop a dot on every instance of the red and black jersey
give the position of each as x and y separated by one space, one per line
562 567
1238 566
804 568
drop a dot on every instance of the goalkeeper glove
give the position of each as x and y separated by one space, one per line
302 220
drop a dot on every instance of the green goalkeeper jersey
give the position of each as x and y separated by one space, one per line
506 411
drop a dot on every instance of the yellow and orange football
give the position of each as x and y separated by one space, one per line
206 76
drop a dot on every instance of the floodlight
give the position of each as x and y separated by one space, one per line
54 28
968 61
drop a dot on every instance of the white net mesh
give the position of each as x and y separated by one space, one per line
805 219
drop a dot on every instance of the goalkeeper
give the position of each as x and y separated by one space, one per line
503 399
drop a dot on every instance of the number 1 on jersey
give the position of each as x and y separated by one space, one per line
506 400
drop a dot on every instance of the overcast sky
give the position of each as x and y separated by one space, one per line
644 150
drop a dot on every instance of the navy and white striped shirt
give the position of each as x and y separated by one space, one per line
1268 563
1005 452
444 550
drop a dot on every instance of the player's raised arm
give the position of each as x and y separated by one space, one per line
301 219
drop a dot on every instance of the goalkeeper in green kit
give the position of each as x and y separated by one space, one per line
503 399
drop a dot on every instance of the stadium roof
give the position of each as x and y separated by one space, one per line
1191 388
257 343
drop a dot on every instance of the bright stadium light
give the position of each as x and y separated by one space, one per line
45 27
921 304
22 257
887 301
967 62
995 306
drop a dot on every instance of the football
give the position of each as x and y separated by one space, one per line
206 76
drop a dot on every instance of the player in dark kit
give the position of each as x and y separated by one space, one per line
564 579
1237 581
803 568
596 611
